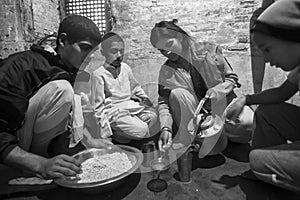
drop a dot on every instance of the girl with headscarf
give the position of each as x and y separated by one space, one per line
193 70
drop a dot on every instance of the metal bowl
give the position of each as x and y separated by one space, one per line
134 155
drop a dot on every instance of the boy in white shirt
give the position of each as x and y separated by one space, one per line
127 106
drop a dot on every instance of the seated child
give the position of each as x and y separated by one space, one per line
117 95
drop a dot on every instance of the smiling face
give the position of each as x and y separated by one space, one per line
74 54
281 53
170 44
114 53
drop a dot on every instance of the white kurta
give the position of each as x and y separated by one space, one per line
112 97
116 91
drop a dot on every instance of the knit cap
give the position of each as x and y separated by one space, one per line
78 28
280 20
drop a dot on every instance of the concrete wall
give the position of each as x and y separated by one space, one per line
26 21
225 22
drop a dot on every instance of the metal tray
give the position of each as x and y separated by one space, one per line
134 155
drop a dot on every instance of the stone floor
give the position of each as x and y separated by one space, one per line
216 177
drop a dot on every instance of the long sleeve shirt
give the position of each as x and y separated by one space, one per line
21 75
116 91
207 69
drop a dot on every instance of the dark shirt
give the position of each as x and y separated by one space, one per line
21 75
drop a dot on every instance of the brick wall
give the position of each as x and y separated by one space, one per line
24 22
46 16
225 22
222 21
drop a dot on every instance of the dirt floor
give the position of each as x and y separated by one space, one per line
215 177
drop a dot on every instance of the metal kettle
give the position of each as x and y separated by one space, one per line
205 124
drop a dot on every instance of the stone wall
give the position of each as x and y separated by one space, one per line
222 21
225 22
24 22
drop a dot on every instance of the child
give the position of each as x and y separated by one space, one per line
113 86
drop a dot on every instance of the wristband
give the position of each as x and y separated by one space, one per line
166 129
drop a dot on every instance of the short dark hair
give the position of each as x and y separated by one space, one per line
110 37
78 28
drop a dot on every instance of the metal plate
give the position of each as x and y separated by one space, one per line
134 155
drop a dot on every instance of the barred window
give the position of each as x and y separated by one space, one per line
97 10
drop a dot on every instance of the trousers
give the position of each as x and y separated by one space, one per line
275 154
128 126
46 117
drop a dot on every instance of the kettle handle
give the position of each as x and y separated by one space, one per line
200 105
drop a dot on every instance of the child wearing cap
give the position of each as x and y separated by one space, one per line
275 154
36 97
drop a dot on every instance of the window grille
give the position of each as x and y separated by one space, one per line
97 10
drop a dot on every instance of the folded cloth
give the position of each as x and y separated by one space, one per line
29 181
77 122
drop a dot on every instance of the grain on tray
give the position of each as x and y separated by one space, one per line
102 167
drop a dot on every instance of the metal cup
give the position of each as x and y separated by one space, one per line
184 164
148 151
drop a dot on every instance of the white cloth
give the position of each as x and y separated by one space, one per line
77 122
84 123
117 91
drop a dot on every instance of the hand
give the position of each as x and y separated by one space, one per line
165 140
146 102
211 94
218 92
145 117
235 108
60 167
85 102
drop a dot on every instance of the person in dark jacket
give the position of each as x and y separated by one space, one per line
36 97
275 150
